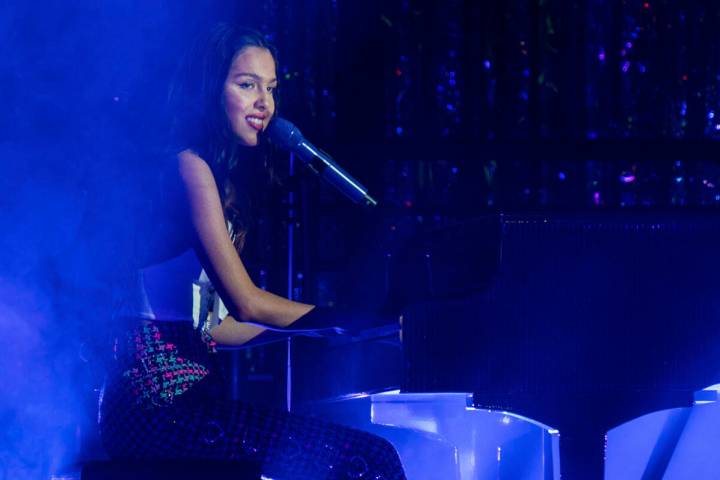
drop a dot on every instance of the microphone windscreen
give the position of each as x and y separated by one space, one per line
284 133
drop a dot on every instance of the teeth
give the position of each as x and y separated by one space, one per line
255 121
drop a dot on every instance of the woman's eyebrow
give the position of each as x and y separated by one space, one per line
253 75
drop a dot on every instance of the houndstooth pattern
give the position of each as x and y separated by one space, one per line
197 424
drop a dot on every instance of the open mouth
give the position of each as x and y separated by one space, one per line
255 122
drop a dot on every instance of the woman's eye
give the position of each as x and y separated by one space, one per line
246 85
271 89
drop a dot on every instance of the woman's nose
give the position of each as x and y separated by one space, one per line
262 101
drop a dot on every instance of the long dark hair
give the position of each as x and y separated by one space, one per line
199 121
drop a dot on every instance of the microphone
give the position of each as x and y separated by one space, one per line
289 137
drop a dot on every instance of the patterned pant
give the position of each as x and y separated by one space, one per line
163 402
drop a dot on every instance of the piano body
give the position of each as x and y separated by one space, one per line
581 322
442 436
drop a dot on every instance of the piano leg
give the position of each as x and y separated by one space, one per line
582 453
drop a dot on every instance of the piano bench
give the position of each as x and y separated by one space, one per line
170 469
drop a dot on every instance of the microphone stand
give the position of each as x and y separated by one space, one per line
290 274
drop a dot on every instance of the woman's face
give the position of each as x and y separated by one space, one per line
248 93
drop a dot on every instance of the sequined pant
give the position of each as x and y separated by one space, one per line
163 401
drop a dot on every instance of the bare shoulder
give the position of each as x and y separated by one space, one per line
193 170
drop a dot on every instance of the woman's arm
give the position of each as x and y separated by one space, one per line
234 333
244 300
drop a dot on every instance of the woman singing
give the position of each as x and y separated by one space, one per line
162 399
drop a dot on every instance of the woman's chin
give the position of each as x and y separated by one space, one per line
247 139
245 142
